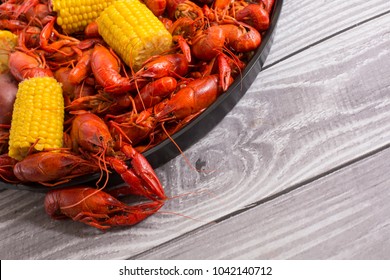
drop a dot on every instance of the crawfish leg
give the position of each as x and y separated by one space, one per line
134 214
91 219
6 169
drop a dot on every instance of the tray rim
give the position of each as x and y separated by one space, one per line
191 133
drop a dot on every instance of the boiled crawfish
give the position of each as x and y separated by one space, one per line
182 106
52 168
23 66
93 206
91 137
96 208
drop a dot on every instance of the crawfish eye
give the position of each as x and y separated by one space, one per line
101 138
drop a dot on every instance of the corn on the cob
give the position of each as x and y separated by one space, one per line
133 32
75 15
37 118
8 41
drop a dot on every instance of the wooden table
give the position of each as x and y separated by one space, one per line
299 169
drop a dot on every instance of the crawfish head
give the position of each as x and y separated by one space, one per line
91 134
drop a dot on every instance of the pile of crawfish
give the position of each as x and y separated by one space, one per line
114 113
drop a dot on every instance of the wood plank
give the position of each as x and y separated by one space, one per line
299 119
345 215
304 23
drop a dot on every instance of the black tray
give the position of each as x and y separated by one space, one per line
199 127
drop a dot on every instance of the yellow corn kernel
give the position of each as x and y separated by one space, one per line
75 15
37 118
8 41
133 32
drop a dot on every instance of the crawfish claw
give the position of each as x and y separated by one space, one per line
140 176
135 214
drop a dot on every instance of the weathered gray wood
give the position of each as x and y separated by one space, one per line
315 110
344 215
307 22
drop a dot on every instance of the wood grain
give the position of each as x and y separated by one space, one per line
305 23
319 108
344 215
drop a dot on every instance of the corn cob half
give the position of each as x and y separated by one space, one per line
37 118
133 32
75 15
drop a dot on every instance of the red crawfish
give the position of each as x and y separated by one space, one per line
51 46
156 6
24 66
91 137
241 37
96 208
52 168
170 65
254 15
106 69
182 106
73 91
183 8
105 103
